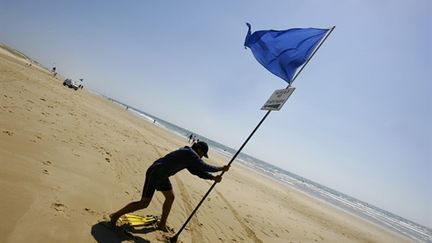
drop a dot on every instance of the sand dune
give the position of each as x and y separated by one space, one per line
69 158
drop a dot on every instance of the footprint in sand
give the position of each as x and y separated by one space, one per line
88 210
59 207
9 133
43 121
45 171
47 163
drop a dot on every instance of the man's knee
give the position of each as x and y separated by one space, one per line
169 196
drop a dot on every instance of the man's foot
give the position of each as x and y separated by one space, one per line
165 228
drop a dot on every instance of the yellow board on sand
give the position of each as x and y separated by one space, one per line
136 220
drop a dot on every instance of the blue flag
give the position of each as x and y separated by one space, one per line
283 51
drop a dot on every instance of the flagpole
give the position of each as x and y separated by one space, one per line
175 237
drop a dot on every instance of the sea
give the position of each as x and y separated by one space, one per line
412 230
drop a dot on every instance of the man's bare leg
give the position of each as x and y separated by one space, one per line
166 208
131 207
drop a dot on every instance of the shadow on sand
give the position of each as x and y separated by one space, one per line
103 234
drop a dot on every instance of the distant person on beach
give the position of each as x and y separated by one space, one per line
190 137
157 178
53 71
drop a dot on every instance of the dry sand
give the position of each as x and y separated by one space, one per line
68 158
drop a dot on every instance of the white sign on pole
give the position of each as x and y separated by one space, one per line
278 99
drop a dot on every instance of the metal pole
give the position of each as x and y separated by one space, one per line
175 237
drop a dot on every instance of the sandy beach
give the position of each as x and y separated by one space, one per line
69 158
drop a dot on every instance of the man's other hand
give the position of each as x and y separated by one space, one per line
225 168
217 178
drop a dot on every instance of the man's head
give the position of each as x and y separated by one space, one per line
201 148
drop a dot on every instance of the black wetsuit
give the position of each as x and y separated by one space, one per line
157 175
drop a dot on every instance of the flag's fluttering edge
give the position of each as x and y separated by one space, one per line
283 51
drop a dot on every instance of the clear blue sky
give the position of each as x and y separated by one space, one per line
359 121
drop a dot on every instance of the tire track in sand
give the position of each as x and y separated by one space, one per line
250 233
196 232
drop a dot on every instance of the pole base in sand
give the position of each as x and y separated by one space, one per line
173 239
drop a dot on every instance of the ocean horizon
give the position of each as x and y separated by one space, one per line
391 221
